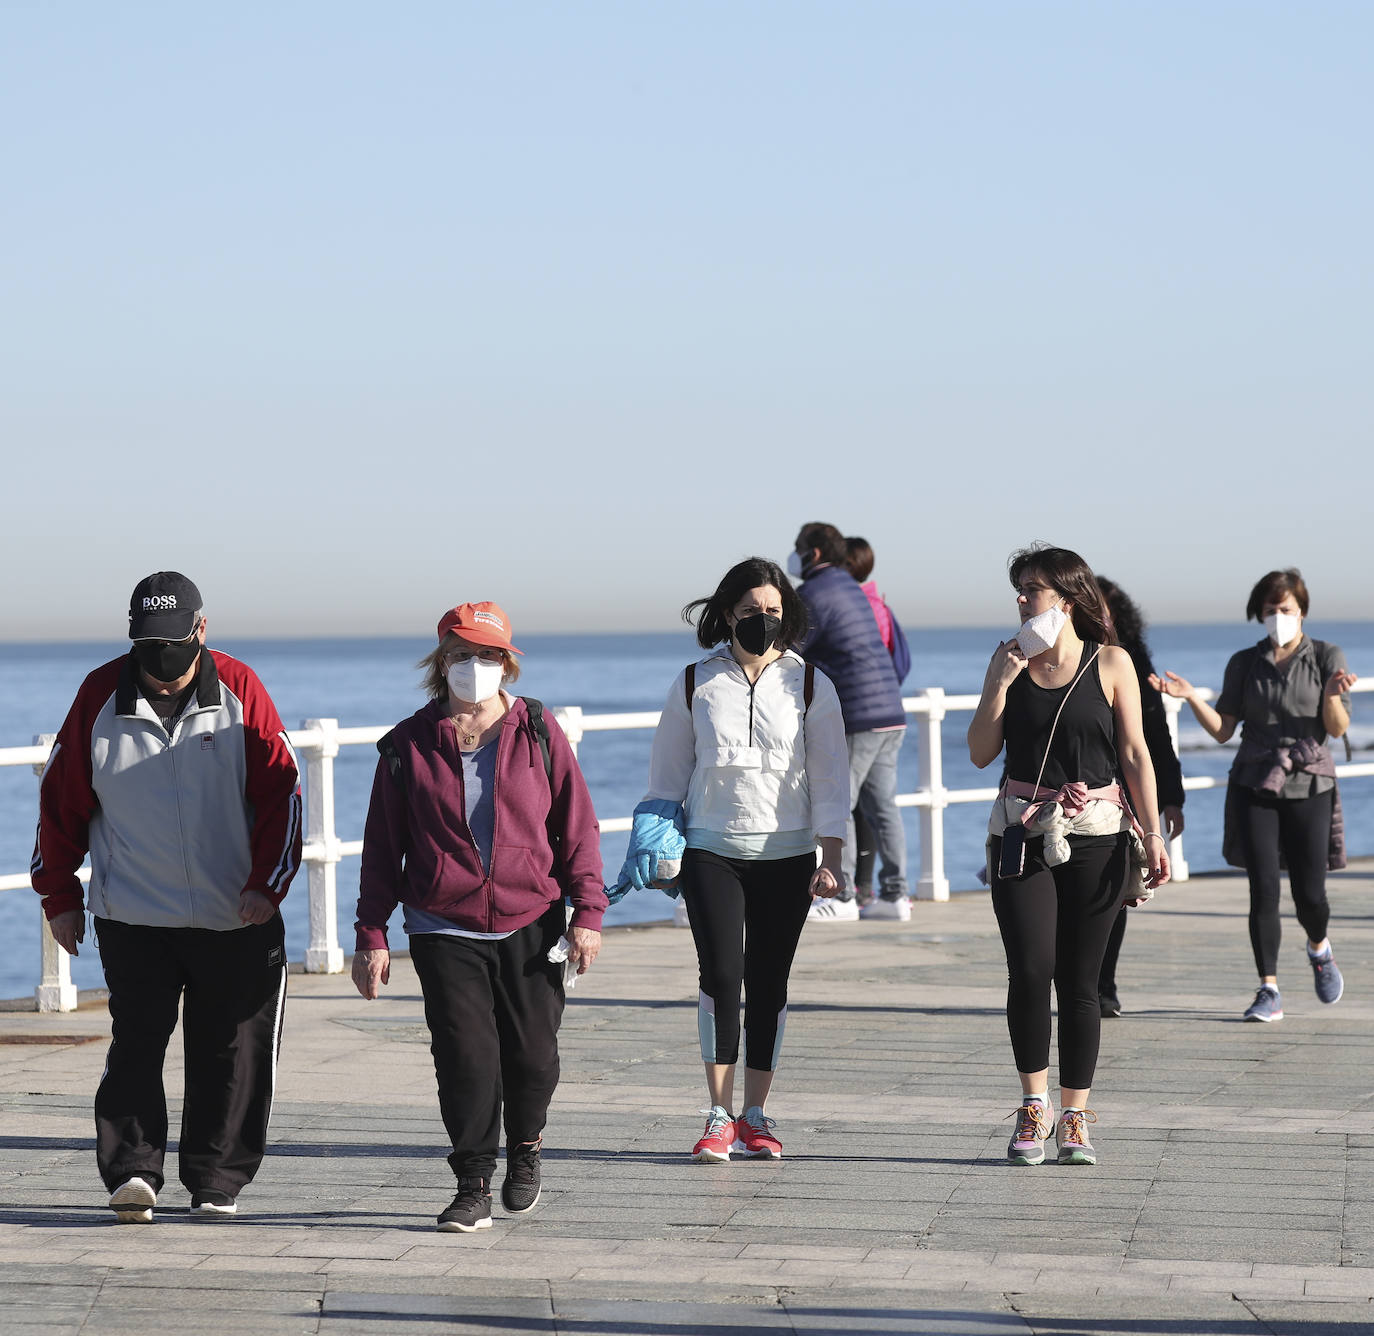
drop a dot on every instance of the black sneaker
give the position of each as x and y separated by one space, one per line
520 1190
210 1204
1108 1004
469 1210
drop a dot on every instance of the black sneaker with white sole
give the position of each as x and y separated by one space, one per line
469 1210
520 1190
211 1205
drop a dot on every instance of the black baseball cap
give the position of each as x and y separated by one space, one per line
164 606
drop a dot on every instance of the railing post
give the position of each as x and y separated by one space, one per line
570 721
933 884
55 991
1178 864
323 955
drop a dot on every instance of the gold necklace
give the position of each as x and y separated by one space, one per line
469 740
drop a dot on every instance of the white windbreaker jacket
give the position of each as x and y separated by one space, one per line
753 759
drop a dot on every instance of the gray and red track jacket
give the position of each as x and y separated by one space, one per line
177 825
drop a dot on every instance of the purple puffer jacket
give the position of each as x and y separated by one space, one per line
417 848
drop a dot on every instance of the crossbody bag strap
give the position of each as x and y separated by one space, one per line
1050 740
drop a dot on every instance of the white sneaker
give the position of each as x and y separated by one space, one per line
833 911
680 919
133 1201
899 909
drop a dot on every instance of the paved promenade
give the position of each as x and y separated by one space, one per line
1235 1192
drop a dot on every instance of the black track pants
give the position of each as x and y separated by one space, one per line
1055 923
231 987
1300 829
493 1010
747 916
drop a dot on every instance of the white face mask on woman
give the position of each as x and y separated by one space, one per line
1282 627
476 680
1038 633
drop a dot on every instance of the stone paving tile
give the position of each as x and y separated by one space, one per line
884 1199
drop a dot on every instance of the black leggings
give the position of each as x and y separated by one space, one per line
747 916
1299 829
1055 923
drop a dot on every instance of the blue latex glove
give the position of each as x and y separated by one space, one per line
657 835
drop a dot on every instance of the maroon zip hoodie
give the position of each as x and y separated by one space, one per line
417 848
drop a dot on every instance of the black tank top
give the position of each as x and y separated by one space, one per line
1084 742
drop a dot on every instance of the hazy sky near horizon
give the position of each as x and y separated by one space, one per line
354 311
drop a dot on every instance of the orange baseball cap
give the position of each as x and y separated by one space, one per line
481 623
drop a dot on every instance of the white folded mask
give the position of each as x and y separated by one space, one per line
1041 631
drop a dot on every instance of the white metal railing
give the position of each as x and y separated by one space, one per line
317 743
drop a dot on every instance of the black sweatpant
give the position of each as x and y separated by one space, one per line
1300 830
1055 923
231 987
493 1010
747 915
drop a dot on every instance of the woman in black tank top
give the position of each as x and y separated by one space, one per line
1055 918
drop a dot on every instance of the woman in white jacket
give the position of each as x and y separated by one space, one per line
751 743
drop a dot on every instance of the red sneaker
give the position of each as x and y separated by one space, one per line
717 1140
755 1133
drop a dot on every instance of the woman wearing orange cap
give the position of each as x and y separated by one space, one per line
480 824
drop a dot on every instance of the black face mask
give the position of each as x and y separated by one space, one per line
757 633
165 662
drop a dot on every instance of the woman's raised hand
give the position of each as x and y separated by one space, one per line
1006 665
1171 684
1340 682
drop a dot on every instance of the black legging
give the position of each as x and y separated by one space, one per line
1055 923
1299 829
747 916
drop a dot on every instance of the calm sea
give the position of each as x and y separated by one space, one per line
368 682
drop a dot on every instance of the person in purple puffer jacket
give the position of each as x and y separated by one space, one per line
480 824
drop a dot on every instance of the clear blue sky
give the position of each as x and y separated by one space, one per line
353 311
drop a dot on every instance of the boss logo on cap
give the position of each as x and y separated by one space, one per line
160 603
491 618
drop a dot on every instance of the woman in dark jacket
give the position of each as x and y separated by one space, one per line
1129 626
1291 693
480 824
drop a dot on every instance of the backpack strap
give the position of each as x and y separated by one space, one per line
535 710
689 684
808 688
390 753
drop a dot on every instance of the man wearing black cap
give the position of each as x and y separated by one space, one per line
173 771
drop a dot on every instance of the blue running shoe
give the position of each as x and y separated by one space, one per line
1326 977
1267 1006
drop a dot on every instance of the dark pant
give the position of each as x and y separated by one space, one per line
1106 976
747 916
1055 923
1298 830
493 1010
231 987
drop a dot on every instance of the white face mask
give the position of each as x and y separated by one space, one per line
1041 631
476 680
1282 627
794 565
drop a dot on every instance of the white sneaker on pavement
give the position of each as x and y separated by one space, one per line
833 911
133 1201
899 909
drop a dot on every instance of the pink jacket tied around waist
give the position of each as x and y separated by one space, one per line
1074 809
